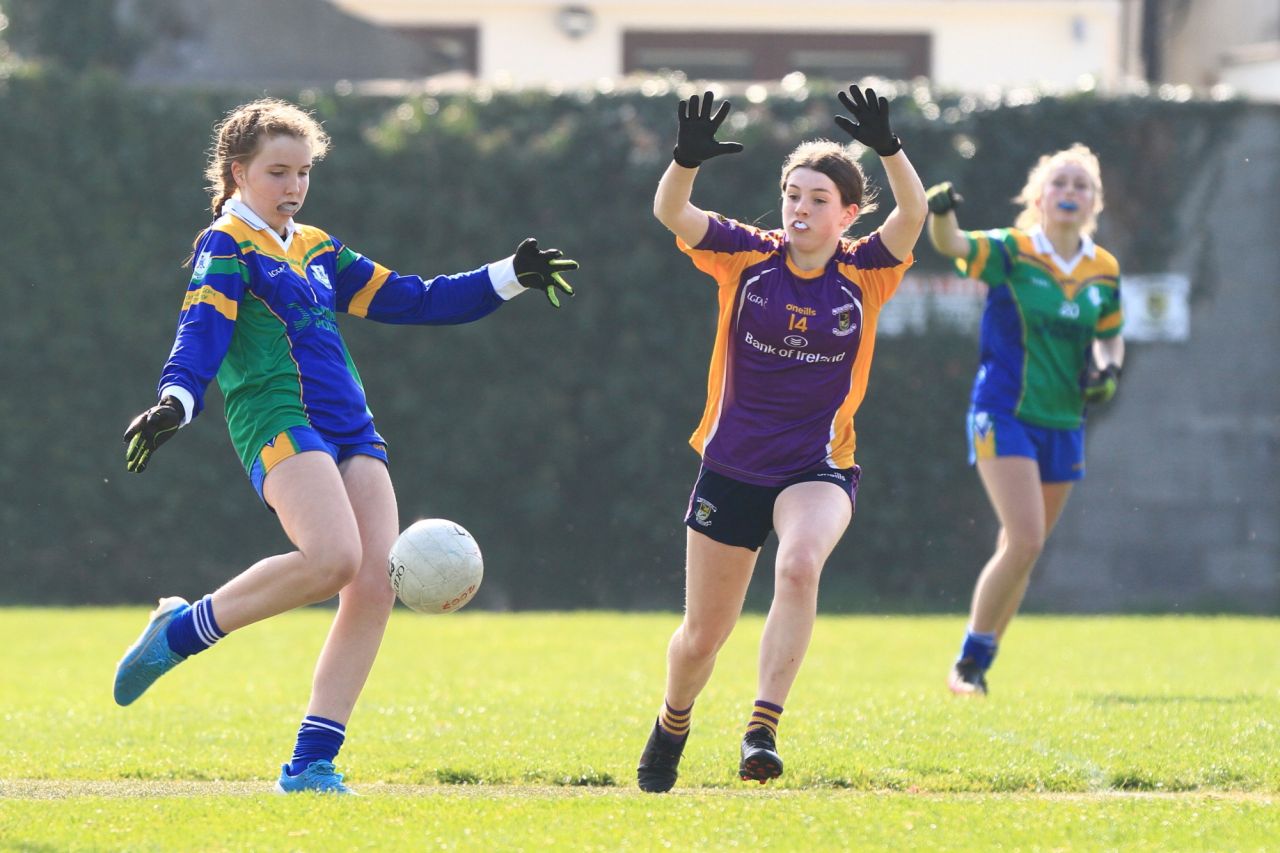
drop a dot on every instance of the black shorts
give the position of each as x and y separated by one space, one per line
736 513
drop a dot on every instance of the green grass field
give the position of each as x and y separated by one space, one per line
496 731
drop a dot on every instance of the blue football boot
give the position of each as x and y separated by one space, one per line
150 656
319 777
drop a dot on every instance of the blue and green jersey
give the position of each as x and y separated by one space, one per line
260 313
1041 317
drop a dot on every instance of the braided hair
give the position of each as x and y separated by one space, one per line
242 132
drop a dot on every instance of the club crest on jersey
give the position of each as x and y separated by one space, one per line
202 264
847 317
703 513
319 274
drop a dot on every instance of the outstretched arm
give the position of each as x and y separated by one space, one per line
901 228
870 126
695 144
672 207
944 230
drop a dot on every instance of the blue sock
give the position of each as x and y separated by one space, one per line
318 740
978 647
194 629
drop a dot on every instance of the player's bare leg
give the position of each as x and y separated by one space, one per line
716 580
1027 510
310 500
1055 500
809 519
309 497
364 605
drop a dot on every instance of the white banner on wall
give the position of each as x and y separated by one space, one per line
1156 307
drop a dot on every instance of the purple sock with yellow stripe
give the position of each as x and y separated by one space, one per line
674 724
765 715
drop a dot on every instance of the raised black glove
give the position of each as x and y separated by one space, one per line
943 198
870 122
149 430
696 139
542 269
1100 384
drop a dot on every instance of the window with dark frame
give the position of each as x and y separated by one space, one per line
446 48
772 55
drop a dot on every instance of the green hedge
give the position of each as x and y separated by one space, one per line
558 438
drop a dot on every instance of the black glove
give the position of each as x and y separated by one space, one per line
1099 384
149 430
870 122
541 269
696 139
943 198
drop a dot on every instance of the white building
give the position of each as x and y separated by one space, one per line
969 46
959 45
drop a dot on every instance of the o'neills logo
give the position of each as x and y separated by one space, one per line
703 513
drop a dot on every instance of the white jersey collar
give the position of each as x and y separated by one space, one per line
1041 242
239 209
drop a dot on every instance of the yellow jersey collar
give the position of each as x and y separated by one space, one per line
242 211
1040 241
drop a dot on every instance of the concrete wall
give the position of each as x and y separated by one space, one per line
1181 506
1199 34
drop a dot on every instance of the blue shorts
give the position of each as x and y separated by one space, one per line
300 439
736 513
1059 452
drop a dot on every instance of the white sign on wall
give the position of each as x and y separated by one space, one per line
1156 307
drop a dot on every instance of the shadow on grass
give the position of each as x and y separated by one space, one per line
1175 699
589 778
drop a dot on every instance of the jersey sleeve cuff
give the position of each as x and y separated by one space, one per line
502 275
183 396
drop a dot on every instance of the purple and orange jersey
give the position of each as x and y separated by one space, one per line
260 314
792 352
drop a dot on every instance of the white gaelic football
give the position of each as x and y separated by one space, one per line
435 566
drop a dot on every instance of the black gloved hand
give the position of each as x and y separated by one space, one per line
696 139
943 198
149 430
870 122
1099 383
542 269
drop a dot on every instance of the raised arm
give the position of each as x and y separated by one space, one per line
944 231
901 228
695 144
870 126
672 207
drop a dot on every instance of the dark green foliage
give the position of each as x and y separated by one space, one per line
572 475
81 35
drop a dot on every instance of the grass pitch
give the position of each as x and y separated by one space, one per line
500 731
